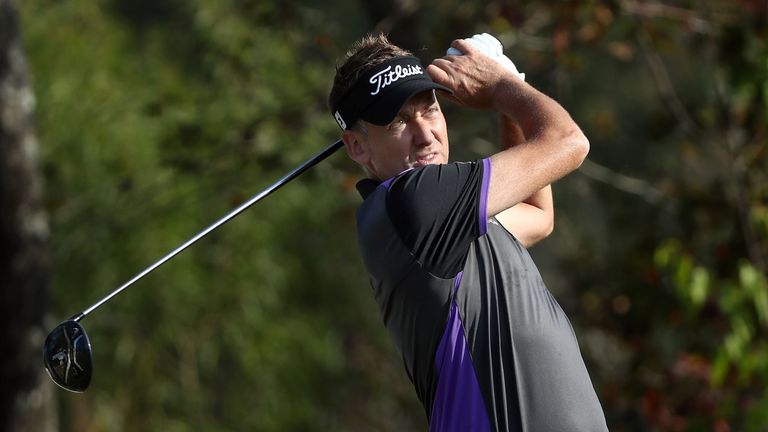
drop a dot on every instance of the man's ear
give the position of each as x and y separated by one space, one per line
356 148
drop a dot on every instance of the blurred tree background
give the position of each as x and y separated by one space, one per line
156 117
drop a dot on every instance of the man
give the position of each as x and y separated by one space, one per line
485 344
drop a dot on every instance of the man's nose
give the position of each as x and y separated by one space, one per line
422 132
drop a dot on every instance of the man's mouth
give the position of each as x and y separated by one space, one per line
426 159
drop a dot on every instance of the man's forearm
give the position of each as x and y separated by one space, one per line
532 219
510 135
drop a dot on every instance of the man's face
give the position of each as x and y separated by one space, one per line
417 136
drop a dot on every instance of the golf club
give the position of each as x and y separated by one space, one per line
67 351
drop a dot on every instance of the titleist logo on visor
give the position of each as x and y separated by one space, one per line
378 94
389 75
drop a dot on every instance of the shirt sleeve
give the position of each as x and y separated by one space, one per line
438 210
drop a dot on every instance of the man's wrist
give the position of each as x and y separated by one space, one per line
508 91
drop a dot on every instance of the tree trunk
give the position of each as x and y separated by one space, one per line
26 401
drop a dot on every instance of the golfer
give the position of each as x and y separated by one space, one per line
485 344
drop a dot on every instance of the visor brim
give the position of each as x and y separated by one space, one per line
388 105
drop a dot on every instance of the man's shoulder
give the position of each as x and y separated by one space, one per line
429 175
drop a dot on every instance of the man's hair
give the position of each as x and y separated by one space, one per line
368 52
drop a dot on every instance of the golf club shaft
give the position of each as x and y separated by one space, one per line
256 198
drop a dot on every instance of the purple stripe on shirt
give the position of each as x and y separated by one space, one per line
483 210
458 404
388 182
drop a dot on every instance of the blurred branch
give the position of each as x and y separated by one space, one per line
663 82
620 181
754 247
738 174
397 11
526 36
692 17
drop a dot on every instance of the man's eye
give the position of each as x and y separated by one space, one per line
397 124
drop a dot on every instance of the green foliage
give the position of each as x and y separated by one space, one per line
157 117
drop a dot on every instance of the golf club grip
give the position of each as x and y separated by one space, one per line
256 198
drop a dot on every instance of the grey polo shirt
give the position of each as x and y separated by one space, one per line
485 344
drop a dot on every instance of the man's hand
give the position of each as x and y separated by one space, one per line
491 47
473 77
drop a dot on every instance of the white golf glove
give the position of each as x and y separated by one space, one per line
491 47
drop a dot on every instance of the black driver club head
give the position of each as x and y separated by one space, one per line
67 356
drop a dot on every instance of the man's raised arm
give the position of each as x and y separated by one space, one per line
554 144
